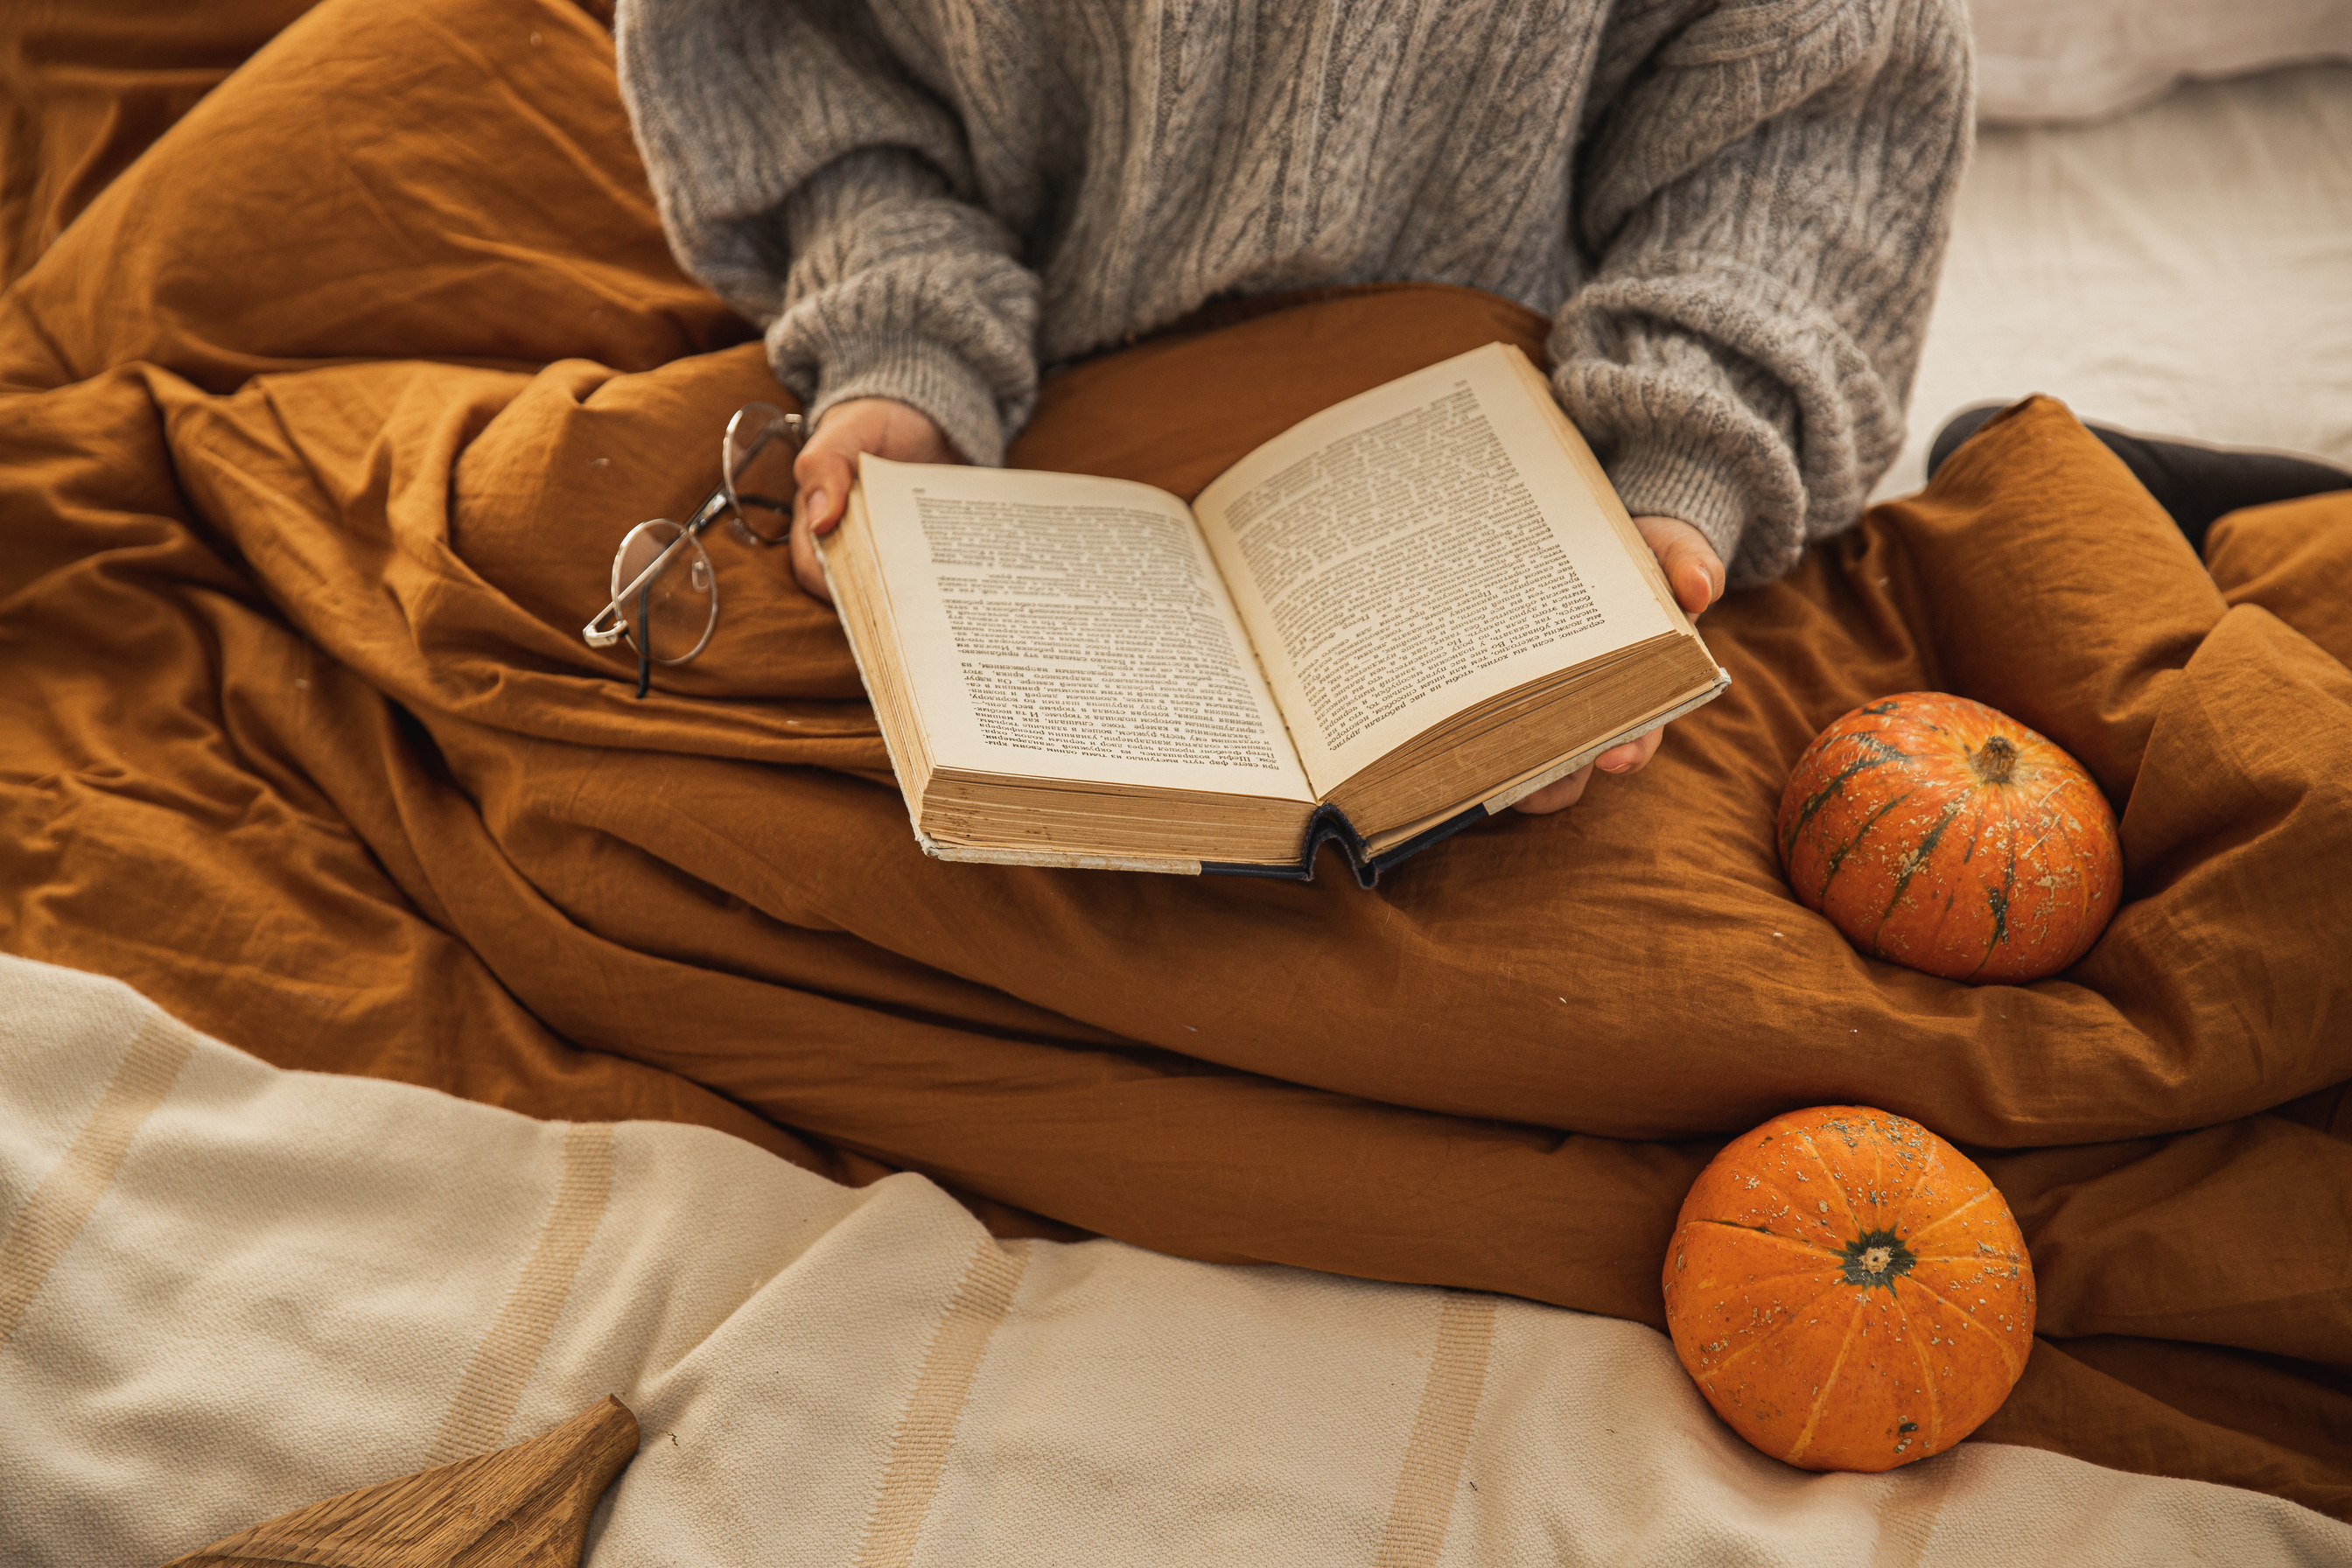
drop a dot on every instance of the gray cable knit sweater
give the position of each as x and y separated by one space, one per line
1734 212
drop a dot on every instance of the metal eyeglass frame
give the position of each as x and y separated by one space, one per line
612 622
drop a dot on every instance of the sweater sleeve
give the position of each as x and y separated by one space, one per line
1766 202
811 185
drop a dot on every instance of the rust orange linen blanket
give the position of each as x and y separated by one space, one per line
318 427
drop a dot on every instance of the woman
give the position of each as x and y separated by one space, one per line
1734 214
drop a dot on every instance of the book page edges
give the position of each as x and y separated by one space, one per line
1060 860
866 651
1375 849
1519 789
1514 791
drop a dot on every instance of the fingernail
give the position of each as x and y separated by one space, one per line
816 503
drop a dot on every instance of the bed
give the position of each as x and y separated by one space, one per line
823 1374
2174 269
311 457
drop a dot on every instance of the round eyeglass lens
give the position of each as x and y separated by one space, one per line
669 618
762 441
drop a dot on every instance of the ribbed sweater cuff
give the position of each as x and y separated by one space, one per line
1687 479
924 375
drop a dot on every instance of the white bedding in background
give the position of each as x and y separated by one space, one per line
227 1290
2037 61
2185 268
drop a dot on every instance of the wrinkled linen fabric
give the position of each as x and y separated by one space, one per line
353 1279
319 429
84 90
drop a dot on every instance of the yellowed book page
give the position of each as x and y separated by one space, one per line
1055 625
1416 550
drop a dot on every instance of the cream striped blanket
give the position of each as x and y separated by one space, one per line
226 1290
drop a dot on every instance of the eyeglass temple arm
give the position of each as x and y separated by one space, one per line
793 427
613 619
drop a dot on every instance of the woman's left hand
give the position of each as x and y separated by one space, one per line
1694 572
827 467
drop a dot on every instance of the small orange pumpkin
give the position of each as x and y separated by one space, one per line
1943 835
1848 1290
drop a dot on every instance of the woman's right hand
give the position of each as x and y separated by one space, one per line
1694 572
827 466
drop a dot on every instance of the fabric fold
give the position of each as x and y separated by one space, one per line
315 471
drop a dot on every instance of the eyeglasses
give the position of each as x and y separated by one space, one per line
665 593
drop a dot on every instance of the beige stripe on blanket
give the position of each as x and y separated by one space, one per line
47 1222
237 1290
918 1451
509 1353
1440 1433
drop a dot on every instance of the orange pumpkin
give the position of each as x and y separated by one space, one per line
1848 1290
1940 834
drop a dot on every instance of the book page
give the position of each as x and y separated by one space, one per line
1418 548
1055 625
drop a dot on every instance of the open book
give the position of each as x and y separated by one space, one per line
1396 619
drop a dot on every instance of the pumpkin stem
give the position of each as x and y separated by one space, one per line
1995 760
1879 1258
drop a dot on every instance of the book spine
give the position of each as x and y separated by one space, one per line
1329 825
